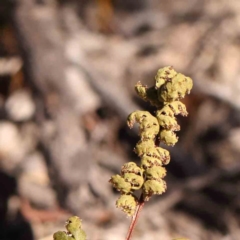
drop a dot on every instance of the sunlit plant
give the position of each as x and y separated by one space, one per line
170 87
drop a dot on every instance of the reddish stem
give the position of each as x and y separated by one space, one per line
135 217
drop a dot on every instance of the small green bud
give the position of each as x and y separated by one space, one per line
127 203
168 137
120 184
155 173
151 187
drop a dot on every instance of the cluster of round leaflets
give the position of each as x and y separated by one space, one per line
170 87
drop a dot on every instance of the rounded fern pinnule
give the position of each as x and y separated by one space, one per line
163 75
178 108
73 223
147 147
167 122
155 172
166 110
170 87
164 155
154 187
74 227
137 116
135 180
60 235
175 89
74 230
120 184
131 178
168 137
148 162
127 203
145 121
141 90
131 167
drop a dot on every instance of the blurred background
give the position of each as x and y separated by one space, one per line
67 75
